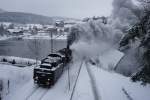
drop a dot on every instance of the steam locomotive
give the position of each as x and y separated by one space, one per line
51 67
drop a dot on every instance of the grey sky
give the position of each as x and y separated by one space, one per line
66 8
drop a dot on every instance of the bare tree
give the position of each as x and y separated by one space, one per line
52 31
35 47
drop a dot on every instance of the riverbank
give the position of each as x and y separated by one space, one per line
55 37
38 36
17 61
4 38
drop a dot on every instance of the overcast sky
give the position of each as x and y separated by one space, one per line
65 8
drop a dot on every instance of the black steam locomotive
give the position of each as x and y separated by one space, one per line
51 67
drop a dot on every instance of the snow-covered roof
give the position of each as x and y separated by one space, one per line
14 30
51 59
54 68
68 25
46 64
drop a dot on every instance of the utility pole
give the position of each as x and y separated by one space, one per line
51 42
68 78
51 31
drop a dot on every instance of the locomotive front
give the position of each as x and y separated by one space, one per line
47 73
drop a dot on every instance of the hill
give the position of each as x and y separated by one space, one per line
1 10
23 18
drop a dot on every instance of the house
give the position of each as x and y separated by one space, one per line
59 23
52 30
16 31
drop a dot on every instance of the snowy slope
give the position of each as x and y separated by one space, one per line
111 84
16 77
83 89
109 59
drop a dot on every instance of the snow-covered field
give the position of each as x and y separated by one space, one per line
30 91
4 38
94 82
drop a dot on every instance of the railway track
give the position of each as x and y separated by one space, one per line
31 93
37 94
71 97
95 91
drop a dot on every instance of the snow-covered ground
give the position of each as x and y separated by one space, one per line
62 36
110 58
60 90
18 61
13 78
94 83
4 38
111 86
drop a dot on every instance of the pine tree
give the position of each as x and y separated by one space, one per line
2 30
141 31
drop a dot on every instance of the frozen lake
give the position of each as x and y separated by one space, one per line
26 48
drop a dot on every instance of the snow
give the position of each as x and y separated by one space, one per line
93 81
18 60
33 25
60 88
61 36
83 89
110 85
14 30
109 59
4 38
56 37
46 64
95 43
16 77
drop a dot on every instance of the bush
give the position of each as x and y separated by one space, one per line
13 62
4 60
143 75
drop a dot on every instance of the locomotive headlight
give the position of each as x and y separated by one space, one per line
36 77
48 79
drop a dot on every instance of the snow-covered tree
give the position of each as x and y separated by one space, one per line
11 26
125 14
35 48
145 5
34 31
141 31
3 31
